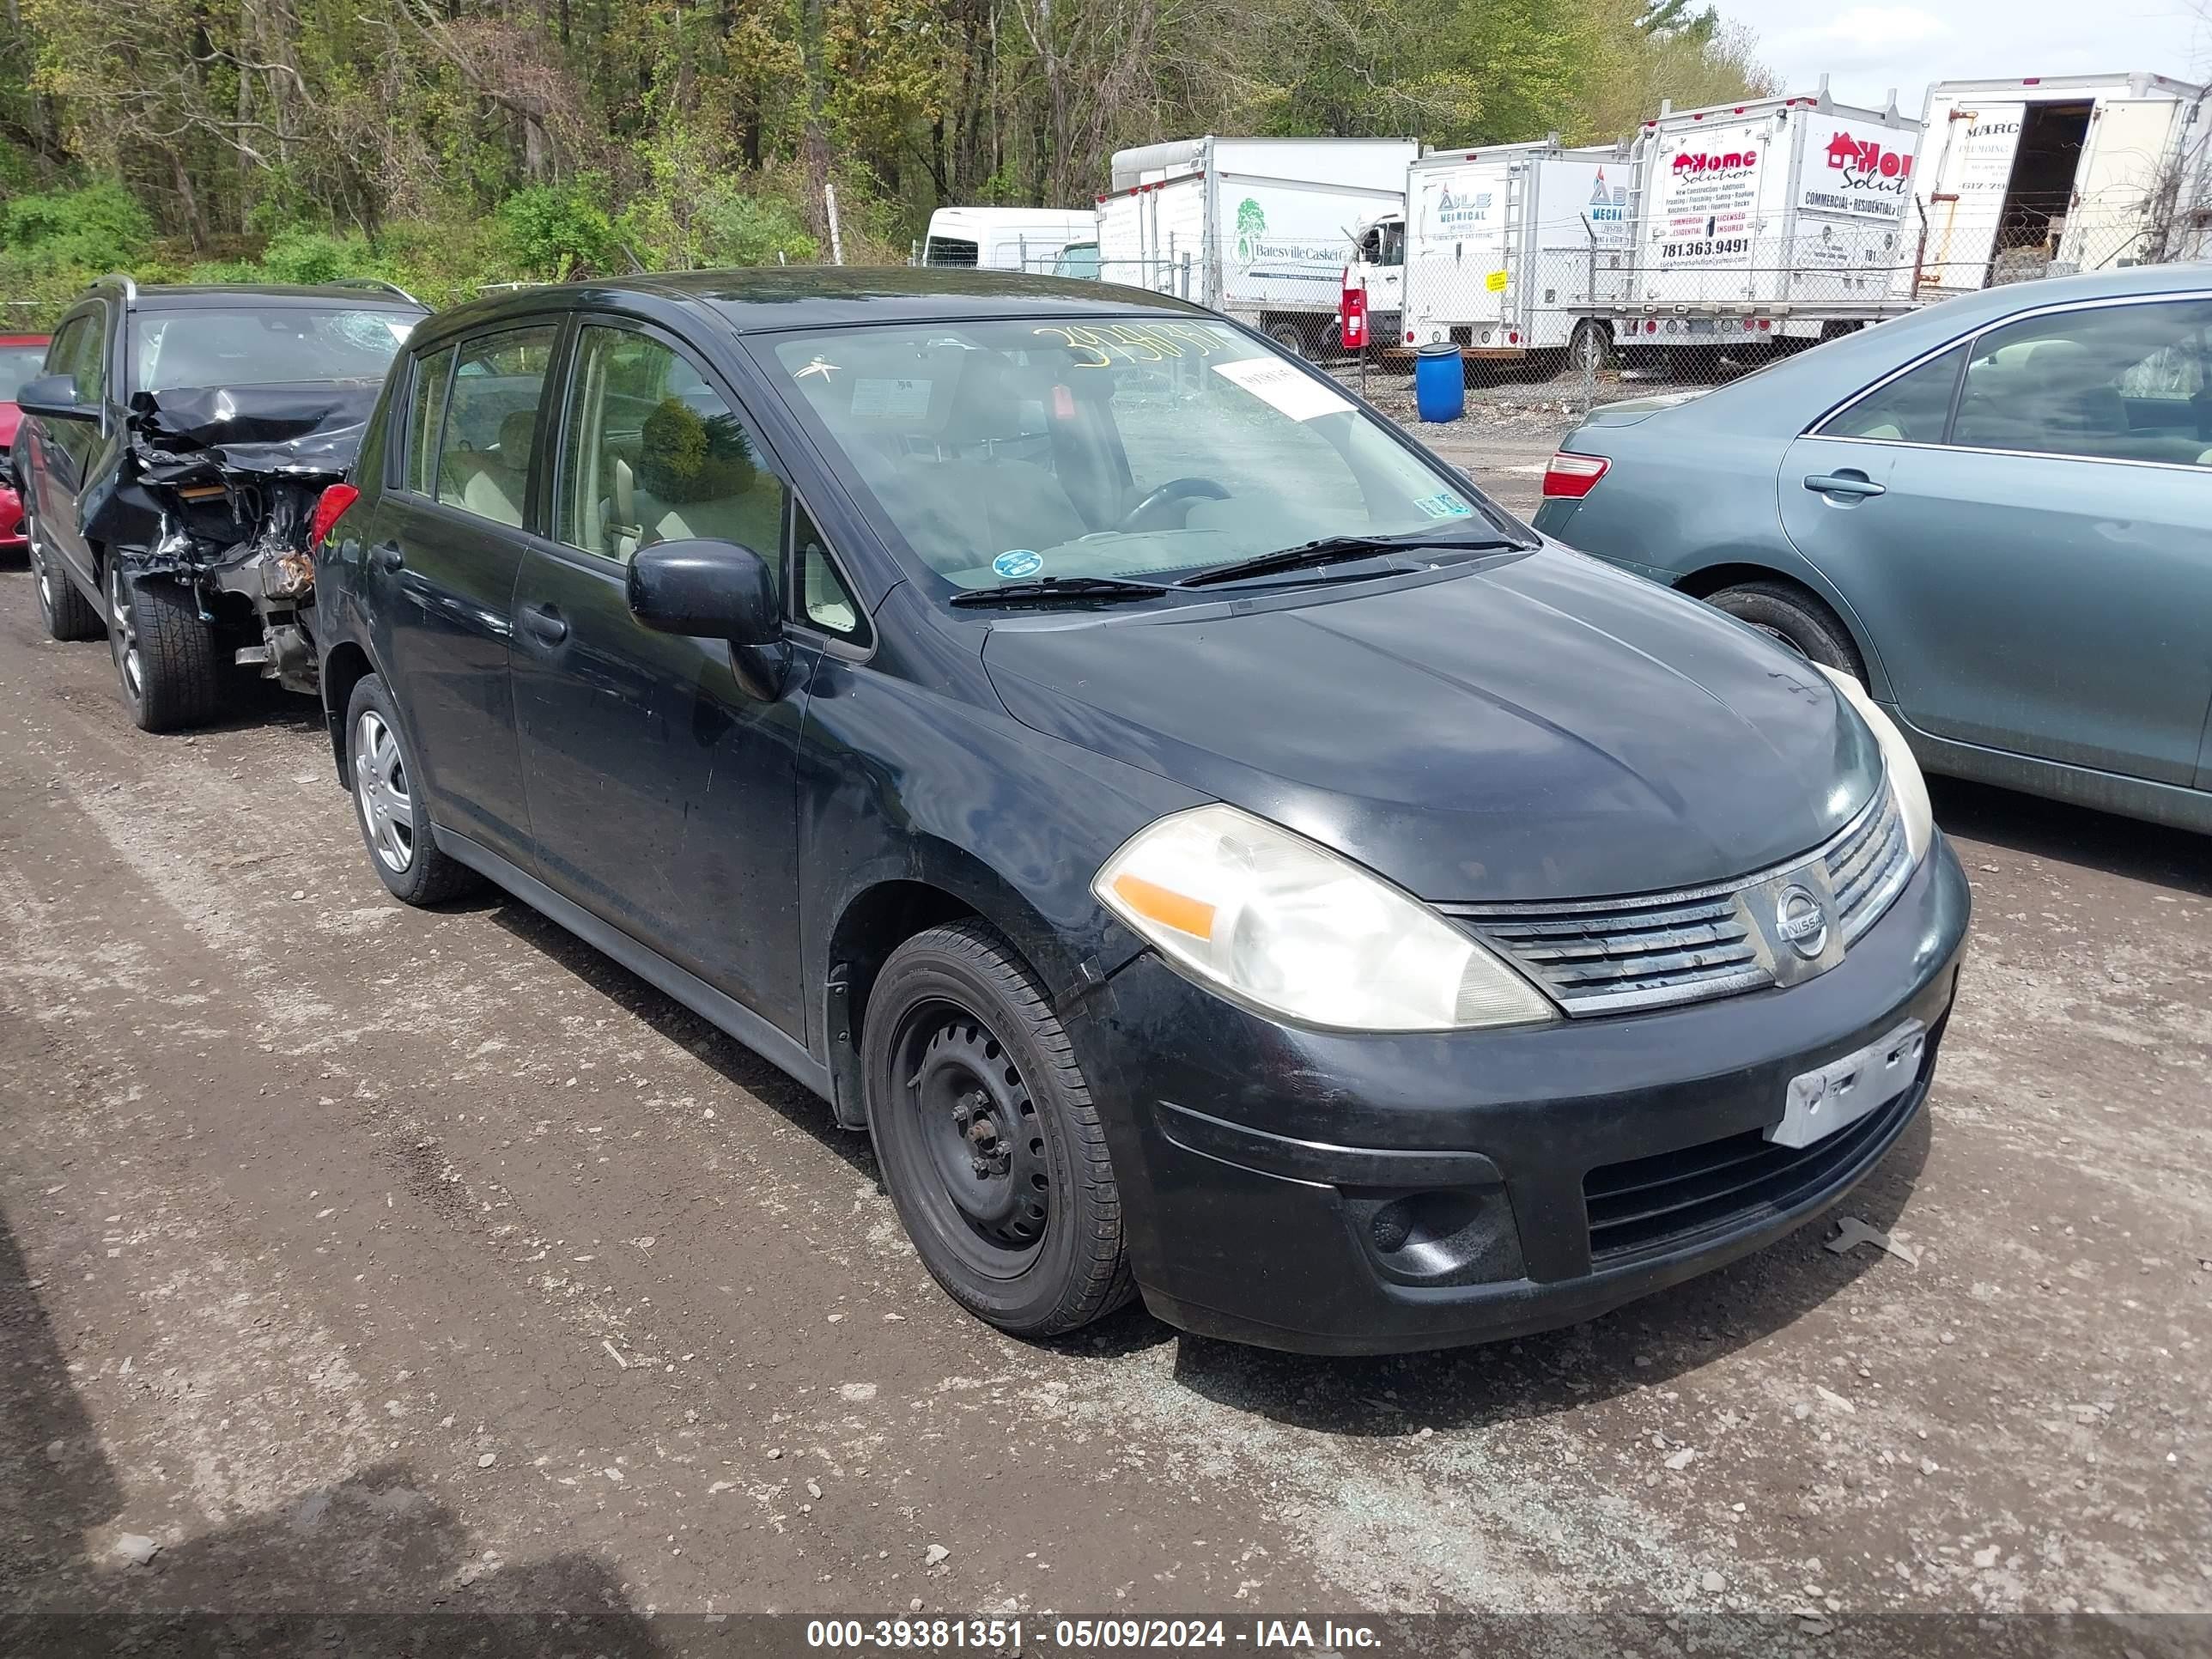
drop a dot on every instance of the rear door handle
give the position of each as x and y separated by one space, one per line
387 556
544 621
1844 484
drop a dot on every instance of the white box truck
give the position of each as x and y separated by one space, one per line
1263 229
1776 219
2054 174
1003 239
1503 243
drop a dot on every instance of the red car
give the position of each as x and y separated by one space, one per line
21 357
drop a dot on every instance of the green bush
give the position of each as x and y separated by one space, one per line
98 228
554 232
738 229
304 256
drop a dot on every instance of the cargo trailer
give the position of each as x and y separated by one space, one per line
2049 175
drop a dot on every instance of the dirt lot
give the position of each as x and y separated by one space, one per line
365 1257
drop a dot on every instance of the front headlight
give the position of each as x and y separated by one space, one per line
1906 782
1278 921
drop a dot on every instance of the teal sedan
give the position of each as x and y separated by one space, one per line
1995 512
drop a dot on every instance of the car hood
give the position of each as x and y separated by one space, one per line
1539 727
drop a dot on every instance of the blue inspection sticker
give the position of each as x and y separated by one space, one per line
1018 562
1445 505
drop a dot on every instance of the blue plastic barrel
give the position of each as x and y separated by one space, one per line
1439 383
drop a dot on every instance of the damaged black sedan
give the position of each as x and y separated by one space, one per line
175 459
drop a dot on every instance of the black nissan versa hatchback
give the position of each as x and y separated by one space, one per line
1216 853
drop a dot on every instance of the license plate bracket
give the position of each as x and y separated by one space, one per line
1835 1096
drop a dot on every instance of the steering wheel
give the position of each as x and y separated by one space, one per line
1140 517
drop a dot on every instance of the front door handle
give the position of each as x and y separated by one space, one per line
387 556
544 621
1844 484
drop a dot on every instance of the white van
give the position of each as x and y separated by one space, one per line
1005 239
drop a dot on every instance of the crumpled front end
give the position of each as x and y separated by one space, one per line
216 488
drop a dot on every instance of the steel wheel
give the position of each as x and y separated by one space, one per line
123 634
977 1124
380 790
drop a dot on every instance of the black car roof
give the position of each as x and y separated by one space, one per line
200 296
815 296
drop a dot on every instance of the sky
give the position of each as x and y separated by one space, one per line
1865 50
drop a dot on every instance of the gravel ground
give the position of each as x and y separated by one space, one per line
357 1256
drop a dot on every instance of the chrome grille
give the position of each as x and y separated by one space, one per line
1610 955
1614 954
1866 866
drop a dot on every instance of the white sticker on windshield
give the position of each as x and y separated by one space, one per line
892 400
1285 386
401 327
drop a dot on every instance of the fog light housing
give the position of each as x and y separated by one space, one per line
1441 1236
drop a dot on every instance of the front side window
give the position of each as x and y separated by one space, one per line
489 431
652 453
77 352
1012 450
1912 409
2124 382
270 345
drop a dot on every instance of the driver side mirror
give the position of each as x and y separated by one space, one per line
54 397
708 589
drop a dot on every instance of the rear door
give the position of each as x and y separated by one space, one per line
2028 543
445 550
2122 180
661 768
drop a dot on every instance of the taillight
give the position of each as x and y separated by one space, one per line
330 507
1573 477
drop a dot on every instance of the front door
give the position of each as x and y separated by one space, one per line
443 553
2030 549
67 448
660 770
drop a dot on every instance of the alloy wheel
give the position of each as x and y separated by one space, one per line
980 1139
380 790
43 575
123 634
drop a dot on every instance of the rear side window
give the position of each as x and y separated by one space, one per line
1912 409
490 426
425 412
2122 382
653 453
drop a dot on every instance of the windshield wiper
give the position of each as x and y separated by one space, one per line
1047 590
1331 549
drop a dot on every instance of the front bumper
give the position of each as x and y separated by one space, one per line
1338 1193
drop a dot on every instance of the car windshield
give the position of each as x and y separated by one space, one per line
19 363
1019 450
278 345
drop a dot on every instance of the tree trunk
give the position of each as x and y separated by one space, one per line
195 223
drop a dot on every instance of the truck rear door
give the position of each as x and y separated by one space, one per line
2117 187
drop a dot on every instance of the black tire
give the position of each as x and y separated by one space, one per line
1289 337
989 1144
1798 619
393 817
165 653
1591 342
67 613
